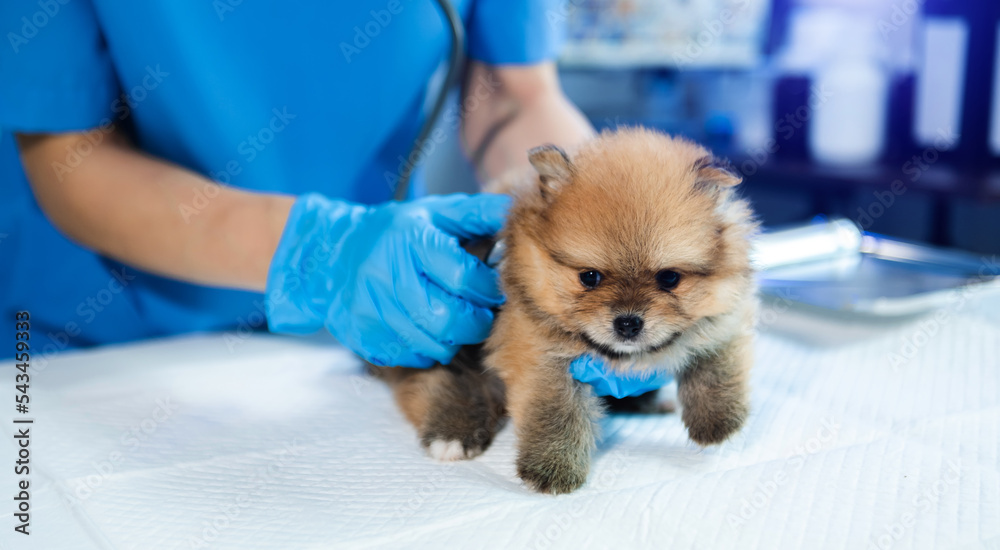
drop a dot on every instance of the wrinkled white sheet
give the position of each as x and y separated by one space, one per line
219 441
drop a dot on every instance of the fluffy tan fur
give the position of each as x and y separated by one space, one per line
629 205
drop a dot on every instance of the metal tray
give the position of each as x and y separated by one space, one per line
831 264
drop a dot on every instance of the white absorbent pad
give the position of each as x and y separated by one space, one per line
238 442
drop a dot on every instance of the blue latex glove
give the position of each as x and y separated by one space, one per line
592 371
390 282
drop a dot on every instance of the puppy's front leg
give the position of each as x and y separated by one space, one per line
714 392
555 420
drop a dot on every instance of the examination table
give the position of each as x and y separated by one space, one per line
864 434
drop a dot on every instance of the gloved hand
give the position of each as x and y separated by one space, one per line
591 370
390 282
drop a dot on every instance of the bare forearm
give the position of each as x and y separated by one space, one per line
525 108
154 215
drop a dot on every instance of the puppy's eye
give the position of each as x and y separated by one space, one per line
668 279
591 279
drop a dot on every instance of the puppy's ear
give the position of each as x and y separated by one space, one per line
716 172
554 168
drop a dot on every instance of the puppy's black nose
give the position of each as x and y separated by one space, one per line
628 326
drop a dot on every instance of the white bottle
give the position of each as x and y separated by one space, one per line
849 103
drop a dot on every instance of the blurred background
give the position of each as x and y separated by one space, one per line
885 112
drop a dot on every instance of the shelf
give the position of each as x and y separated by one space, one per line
980 185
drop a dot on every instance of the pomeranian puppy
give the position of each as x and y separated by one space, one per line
634 250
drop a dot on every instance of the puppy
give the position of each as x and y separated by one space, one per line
636 251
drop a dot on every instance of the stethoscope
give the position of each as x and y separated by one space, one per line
456 61
455 65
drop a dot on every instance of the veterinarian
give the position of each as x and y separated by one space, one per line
226 165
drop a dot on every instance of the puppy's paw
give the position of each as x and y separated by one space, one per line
713 429
457 431
458 439
553 476
447 451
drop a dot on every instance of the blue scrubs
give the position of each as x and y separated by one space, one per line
272 96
